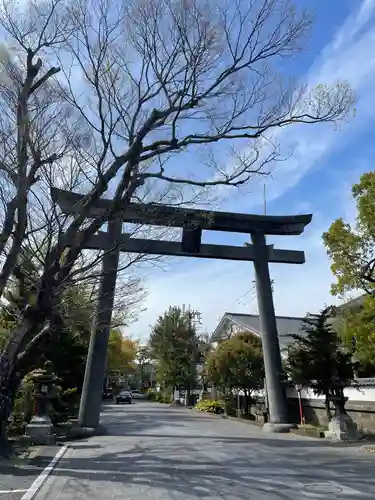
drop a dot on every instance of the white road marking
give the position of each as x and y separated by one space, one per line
4 492
39 481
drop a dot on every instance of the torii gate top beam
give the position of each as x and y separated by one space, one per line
164 215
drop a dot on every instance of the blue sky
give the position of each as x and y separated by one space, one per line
317 179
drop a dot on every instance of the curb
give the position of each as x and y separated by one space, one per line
41 479
364 447
356 445
77 433
368 448
228 417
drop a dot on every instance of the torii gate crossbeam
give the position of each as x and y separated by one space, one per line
193 222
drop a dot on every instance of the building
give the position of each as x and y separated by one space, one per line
233 323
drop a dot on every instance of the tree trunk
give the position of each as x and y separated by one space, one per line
5 411
9 392
27 329
327 406
246 399
188 397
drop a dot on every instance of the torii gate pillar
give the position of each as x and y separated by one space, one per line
92 389
277 400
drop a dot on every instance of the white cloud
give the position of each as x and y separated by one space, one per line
352 25
348 57
214 287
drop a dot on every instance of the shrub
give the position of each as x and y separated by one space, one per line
209 406
65 405
151 395
164 396
230 408
24 403
23 408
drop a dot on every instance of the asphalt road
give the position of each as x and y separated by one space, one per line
161 452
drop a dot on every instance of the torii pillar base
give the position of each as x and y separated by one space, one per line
278 428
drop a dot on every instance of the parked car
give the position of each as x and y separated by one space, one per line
124 397
107 394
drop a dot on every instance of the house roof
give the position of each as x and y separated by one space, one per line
286 325
353 303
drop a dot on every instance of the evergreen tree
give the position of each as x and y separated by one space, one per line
175 346
319 359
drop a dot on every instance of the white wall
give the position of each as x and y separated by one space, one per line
363 393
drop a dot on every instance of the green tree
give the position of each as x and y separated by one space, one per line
67 341
351 248
319 359
145 366
122 353
237 364
67 346
175 346
356 326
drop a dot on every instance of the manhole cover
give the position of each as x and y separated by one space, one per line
323 488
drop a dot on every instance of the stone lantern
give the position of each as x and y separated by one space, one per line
39 430
342 427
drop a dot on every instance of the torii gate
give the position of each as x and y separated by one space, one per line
192 222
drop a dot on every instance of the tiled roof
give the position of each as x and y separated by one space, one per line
286 325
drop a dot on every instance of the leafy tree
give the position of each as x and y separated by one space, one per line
71 339
175 346
237 364
351 248
145 367
67 346
122 353
319 359
67 341
356 326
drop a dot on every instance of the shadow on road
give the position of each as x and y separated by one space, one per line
199 456
185 472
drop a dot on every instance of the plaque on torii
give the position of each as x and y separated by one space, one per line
192 222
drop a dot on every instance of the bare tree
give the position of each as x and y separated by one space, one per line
32 114
150 80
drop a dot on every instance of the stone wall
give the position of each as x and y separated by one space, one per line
362 412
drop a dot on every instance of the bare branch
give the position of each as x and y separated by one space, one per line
140 83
